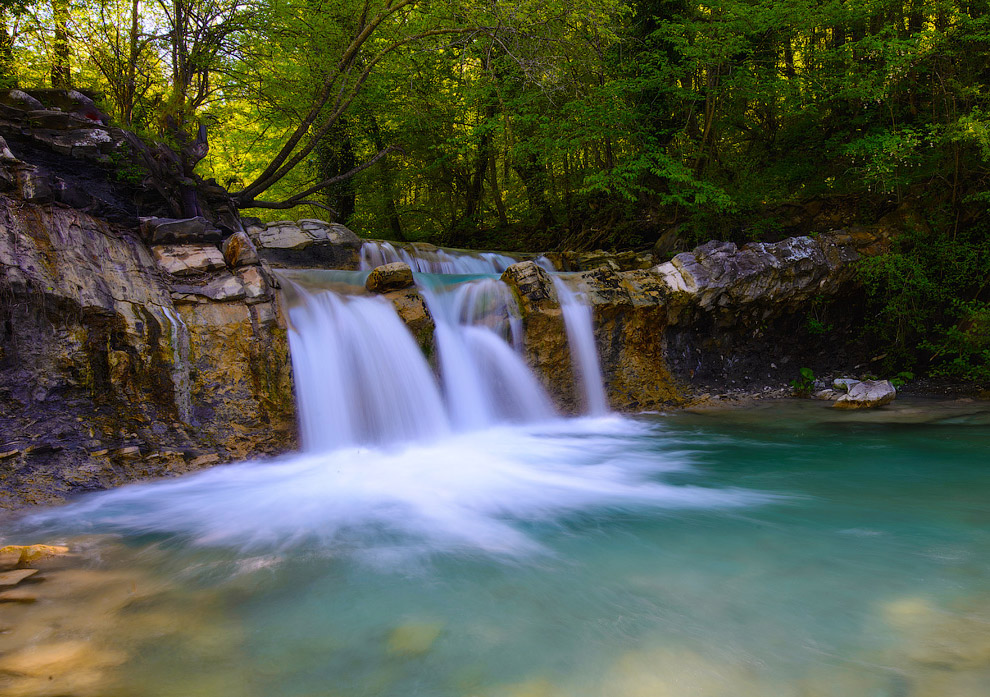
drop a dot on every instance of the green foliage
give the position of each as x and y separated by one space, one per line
804 383
902 378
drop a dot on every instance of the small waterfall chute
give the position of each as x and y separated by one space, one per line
584 353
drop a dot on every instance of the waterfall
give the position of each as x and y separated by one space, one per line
584 354
433 260
485 381
361 379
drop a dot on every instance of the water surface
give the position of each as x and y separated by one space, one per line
774 551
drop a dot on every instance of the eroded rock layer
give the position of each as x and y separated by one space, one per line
120 362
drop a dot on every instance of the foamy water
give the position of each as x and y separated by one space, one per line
471 492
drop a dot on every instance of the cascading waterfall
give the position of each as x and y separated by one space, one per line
360 377
584 354
485 381
434 260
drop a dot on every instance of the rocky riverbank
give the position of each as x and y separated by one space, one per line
135 345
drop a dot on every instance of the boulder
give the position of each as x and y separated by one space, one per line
238 250
389 277
284 234
867 395
188 259
178 230
843 384
19 99
532 284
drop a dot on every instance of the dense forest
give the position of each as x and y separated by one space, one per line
575 124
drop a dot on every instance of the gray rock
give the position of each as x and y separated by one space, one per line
843 384
388 277
867 395
284 234
188 259
178 230
20 100
224 288
784 274
238 250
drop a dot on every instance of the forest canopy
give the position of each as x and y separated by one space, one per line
573 123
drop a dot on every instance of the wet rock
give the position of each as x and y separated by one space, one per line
532 285
412 309
238 250
27 554
178 230
18 596
827 395
867 395
204 460
389 277
12 578
188 259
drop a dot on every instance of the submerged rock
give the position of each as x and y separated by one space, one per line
867 395
12 578
27 554
413 638
389 277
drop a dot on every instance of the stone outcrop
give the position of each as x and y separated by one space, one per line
120 362
868 394
663 332
766 278
308 243
588 261
389 277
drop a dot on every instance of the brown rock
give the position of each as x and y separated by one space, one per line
238 250
253 281
12 578
32 553
533 286
18 596
411 307
389 277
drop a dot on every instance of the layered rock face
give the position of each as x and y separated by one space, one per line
120 361
662 332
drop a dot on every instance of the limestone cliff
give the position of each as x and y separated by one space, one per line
119 360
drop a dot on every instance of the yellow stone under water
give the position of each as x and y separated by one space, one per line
413 638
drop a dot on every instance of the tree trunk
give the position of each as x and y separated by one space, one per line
61 51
